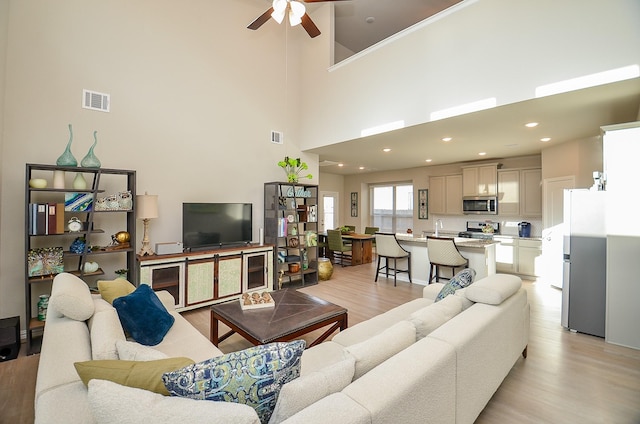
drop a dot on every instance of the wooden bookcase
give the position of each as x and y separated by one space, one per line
101 182
291 224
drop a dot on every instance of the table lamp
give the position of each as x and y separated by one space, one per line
146 209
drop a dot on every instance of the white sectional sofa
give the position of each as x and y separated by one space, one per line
392 368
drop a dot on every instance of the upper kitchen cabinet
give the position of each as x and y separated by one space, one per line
445 195
480 180
520 192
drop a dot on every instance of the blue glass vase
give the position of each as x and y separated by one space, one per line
90 160
67 158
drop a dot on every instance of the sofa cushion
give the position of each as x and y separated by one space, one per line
112 403
253 376
112 289
143 316
70 297
307 389
132 351
379 348
321 356
433 316
141 374
494 289
106 330
459 281
365 330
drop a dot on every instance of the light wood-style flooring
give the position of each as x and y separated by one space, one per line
566 378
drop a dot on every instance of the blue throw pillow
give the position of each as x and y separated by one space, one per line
143 315
459 281
253 376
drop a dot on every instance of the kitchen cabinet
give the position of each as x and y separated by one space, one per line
531 192
480 180
509 192
506 254
529 257
203 278
520 192
53 246
445 195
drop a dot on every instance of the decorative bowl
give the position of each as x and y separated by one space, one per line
37 183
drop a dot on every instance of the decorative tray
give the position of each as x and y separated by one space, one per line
256 300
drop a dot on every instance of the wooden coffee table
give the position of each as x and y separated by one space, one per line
293 315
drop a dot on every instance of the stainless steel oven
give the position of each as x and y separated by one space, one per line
480 205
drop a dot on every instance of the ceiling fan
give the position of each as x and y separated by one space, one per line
297 15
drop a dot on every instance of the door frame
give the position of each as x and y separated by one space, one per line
336 207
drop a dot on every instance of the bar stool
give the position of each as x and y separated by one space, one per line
387 247
443 252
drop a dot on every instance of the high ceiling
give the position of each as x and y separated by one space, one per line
500 132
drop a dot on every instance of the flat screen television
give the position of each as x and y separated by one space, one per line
210 225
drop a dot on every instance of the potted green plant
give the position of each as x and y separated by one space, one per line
293 168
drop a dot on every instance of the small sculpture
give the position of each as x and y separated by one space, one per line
67 158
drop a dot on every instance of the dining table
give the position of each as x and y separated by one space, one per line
361 246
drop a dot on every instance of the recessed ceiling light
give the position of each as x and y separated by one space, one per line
387 150
427 160
361 168
447 139
370 19
341 164
531 125
544 140
482 154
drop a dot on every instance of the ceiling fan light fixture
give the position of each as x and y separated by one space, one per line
279 9
296 12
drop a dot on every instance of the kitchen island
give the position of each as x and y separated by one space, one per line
480 253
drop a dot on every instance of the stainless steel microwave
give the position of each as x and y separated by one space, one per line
480 205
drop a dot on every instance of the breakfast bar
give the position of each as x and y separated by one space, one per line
480 253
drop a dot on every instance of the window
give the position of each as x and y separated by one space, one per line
392 207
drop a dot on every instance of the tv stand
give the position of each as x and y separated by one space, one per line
210 275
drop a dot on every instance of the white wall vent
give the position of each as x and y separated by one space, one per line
327 163
277 137
95 101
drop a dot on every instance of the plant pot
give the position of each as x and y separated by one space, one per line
294 267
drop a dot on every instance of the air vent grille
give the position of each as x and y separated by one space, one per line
277 137
95 101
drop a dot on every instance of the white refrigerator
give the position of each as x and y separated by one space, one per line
585 265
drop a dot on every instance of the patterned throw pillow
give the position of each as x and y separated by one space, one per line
252 376
459 281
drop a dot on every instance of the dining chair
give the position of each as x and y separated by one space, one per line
337 247
388 248
372 231
443 252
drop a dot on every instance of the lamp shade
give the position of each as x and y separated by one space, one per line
146 206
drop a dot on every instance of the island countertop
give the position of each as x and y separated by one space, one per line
459 241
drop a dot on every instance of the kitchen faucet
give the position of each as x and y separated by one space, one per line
438 223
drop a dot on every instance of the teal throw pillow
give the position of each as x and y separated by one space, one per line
253 376
459 281
143 316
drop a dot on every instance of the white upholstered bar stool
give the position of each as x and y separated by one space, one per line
443 252
387 247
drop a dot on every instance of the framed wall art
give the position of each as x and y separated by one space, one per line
423 204
354 204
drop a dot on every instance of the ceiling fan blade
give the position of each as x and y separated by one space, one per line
309 26
260 20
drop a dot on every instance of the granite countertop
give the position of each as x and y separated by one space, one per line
460 242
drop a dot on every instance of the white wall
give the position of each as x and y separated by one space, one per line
487 48
194 96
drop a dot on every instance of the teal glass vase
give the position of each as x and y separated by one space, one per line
90 160
67 158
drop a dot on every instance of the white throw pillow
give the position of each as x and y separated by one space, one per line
112 403
132 351
310 388
105 332
433 316
494 289
70 297
379 348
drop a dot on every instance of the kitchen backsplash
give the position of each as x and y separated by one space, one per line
508 227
